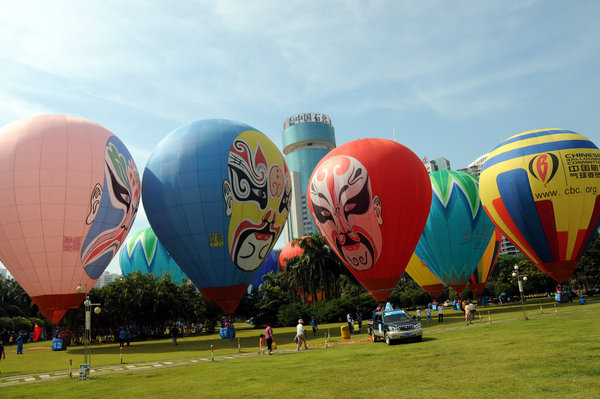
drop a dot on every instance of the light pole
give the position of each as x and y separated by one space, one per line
88 323
520 280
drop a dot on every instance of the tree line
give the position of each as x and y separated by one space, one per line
313 284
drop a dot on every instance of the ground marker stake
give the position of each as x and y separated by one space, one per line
541 309
121 353
212 354
70 368
239 347
555 310
489 318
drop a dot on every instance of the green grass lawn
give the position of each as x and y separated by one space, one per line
544 357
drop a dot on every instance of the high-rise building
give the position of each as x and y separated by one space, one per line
437 164
105 279
307 138
474 167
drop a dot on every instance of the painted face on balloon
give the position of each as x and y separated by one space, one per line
257 198
347 213
113 207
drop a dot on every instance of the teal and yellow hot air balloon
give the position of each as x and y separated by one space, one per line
424 277
457 231
542 189
144 253
486 264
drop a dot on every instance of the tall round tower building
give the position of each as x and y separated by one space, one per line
306 139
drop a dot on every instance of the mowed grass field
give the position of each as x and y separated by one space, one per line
550 355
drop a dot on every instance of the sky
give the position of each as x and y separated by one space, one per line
453 78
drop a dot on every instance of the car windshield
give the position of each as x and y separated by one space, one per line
396 317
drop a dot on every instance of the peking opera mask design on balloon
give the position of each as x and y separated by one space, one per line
346 210
113 207
257 197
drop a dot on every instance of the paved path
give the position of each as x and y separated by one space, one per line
131 367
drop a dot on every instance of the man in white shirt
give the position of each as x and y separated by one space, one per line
300 337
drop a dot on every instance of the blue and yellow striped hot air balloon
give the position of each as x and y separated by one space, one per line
542 189
144 253
457 230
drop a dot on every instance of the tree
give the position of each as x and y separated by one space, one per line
316 271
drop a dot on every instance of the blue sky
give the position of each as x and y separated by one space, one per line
453 77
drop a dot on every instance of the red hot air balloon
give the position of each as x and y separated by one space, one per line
370 200
290 251
69 194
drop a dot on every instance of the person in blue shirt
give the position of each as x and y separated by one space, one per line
20 344
313 323
122 337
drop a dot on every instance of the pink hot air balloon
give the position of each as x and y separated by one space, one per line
69 191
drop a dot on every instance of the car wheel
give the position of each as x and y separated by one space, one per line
419 338
373 336
387 339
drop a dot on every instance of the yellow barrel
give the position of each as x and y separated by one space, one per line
345 332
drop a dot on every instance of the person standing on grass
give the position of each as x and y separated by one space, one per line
428 313
418 314
20 344
269 336
359 319
440 313
261 344
300 335
122 337
174 333
2 353
313 323
350 322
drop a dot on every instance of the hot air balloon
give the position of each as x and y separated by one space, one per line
541 188
144 253
486 264
290 251
369 198
217 194
457 231
70 192
424 277
268 266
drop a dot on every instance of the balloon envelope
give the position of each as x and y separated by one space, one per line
217 193
457 230
290 251
144 253
369 199
486 264
541 188
70 192
269 266
424 277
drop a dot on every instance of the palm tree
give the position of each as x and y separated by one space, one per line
317 270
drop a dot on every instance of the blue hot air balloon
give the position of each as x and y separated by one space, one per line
269 266
217 194
144 253
457 231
